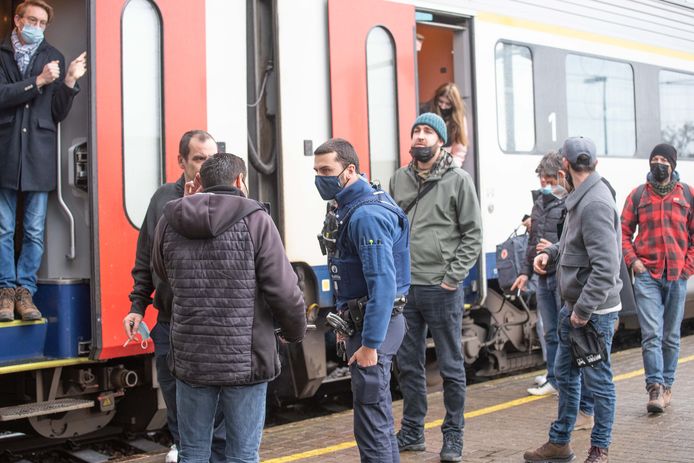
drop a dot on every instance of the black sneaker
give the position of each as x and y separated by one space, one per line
452 449
410 440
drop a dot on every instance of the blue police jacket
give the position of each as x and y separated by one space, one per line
372 256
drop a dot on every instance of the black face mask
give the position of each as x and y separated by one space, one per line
659 171
422 153
446 112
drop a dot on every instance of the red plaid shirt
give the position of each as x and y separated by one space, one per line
666 232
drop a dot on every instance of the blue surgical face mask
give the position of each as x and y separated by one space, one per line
329 185
546 190
143 331
32 34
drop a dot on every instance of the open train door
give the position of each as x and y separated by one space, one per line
372 80
136 123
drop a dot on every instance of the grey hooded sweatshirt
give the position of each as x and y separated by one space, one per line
231 282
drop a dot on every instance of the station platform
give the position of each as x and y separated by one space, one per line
502 421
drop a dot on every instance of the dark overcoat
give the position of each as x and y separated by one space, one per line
28 118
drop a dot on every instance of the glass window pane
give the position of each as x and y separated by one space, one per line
383 110
142 106
677 111
600 103
515 107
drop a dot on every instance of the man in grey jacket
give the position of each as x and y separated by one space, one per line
445 241
588 257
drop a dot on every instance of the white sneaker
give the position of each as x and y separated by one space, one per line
540 380
172 456
545 389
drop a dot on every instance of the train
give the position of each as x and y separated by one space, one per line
273 79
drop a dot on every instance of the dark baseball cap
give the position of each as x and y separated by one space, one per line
576 146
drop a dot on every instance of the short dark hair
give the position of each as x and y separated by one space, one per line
184 144
22 7
346 154
221 169
550 164
584 163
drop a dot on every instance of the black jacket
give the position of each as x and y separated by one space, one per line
28 118
231 283
548 213
144 280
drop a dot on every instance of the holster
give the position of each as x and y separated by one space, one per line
357 307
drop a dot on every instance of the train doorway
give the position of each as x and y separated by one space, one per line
444 56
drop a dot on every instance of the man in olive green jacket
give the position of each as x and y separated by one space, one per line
445 241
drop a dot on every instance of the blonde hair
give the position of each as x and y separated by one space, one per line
22 7
455 123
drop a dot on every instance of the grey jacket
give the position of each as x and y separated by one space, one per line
231 281
589 252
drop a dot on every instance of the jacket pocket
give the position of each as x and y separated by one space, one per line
6 121
574 271
46 124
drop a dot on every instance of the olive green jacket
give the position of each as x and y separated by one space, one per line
445 225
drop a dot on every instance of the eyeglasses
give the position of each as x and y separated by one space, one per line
34 21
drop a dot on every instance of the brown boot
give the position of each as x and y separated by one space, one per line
667 395
6 304
597 455
25 306
550 453
656 404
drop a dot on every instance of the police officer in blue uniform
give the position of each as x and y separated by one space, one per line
367 241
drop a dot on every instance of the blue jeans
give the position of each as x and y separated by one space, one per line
244 415
167 383
660 307
442 312
598 380
34 224
374 425
549 305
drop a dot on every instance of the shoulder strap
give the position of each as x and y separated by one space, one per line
427 188
688 194
636 199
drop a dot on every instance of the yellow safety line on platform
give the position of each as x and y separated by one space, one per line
436 423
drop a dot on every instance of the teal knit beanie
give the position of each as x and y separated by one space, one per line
435 122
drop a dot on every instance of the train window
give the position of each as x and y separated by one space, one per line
382 104
515 109
142 106
600 103
676 116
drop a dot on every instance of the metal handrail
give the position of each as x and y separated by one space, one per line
70 255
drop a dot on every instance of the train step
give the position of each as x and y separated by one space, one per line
17 412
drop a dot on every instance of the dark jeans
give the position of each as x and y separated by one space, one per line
442 312
161 337
598 379
660 308
244 415
549 305
374 425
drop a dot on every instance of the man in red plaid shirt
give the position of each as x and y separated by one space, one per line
662 258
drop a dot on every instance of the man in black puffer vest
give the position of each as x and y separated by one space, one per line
231 282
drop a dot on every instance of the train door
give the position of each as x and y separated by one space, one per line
372 81
444 56
136 123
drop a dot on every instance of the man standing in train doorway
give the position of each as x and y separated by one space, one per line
366 239
446 235
588 258
195 147
662 259
35 95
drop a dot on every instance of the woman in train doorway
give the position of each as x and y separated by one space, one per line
448 104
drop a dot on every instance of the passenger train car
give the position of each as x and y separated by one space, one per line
271 80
